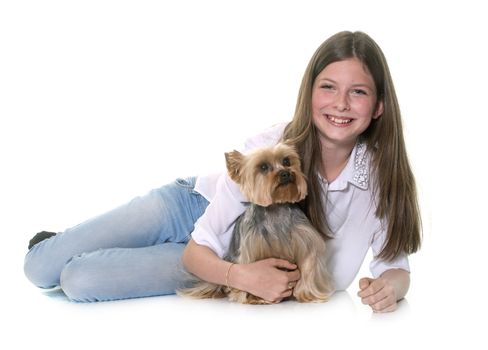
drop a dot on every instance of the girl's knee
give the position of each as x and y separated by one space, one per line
78 281
39 270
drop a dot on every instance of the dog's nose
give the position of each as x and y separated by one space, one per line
285 177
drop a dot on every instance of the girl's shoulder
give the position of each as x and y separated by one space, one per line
269 137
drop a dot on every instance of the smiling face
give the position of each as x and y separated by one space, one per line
344 102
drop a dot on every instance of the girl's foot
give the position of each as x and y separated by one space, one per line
40 237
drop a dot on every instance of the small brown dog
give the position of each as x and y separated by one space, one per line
272 226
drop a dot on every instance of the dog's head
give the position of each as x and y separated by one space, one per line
268 175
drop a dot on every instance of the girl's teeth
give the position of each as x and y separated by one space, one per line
339 121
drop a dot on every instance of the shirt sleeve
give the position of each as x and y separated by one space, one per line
378 265
214 228
268 137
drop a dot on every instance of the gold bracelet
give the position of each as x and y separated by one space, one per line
227 275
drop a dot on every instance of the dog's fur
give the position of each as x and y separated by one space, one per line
272 225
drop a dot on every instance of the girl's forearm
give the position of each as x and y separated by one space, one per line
205 264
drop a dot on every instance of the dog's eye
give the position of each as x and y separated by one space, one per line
264 167
286 161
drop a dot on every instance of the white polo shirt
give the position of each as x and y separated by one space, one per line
349 208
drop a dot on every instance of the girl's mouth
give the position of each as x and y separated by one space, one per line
338 121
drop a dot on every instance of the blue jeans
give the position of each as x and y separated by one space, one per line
132 251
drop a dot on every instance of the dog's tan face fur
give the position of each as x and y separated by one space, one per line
269 175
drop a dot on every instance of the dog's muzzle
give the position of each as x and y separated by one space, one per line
285 177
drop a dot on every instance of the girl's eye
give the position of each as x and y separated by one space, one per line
327 87
286 161
359 92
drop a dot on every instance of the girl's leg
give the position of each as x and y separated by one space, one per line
166 214
121 273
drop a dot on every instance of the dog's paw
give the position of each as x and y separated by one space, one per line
239 296
254 300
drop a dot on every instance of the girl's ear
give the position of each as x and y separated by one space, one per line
380 108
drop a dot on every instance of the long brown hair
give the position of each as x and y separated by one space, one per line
394 185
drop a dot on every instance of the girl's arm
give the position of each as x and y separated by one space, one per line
384 292
264 278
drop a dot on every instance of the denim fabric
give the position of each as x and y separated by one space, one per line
132 251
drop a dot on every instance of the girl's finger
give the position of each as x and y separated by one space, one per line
283 264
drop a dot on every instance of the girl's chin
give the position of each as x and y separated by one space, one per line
339 140
342 136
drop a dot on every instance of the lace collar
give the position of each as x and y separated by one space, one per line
360 176
356 171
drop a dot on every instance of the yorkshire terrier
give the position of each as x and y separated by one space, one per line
272 226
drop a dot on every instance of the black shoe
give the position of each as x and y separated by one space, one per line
40 237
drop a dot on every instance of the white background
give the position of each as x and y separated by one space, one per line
101 101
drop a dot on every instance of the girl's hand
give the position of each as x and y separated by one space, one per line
384 292
379 294
270 279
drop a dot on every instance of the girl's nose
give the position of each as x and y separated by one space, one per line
342 102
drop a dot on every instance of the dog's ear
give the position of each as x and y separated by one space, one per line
233 161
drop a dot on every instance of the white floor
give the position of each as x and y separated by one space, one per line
39 319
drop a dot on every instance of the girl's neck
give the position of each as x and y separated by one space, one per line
334 159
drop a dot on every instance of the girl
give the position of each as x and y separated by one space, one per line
347 129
